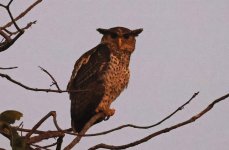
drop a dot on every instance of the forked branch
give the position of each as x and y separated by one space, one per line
7 34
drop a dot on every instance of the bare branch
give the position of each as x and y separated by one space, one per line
165 130
145 127
59 143
51 113
6 45
53 79
3 31
28 130
23 13
37 89
11 16
7 68
5 36
24 28
45 135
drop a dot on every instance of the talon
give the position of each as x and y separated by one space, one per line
107 111
106 118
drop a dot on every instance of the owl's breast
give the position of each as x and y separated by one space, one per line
116 78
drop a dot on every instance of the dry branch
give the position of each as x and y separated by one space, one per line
146 127
165 130
22 14
45 135
37 89
51 113
6 34
53 79
7 68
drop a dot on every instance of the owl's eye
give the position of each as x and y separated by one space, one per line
126 36
114 36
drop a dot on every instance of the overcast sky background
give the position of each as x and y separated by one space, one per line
183 49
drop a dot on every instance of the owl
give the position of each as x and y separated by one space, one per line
101 74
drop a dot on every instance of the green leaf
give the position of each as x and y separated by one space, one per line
10 116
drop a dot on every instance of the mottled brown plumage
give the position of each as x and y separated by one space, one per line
103 72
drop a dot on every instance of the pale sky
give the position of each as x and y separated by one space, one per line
183 49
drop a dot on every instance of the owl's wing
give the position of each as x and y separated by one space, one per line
87 75
89 66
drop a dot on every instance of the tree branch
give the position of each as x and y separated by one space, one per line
22 14
8 42
7 68
37 89
53 79
146 127
165 130
45 135
51 113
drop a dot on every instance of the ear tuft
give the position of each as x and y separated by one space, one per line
102 31
136 32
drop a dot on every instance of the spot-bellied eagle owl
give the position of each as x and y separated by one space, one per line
103 72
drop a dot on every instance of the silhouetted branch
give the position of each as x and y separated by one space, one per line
51 113
37 89
146 127
45 135
22 14
59 143
6 34
68 131
7 68
24 28
53 79
165 130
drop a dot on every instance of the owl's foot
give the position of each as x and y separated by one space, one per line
106 110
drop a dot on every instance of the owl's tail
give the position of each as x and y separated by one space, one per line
77 125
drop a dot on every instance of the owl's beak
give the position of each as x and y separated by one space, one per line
119 42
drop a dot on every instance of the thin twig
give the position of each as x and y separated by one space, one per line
24 28
53 79
28 130
165 130
38 124
23 13
7 68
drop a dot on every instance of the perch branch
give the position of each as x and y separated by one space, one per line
165 130
86 127
146 127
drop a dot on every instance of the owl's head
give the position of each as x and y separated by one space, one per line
120 38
